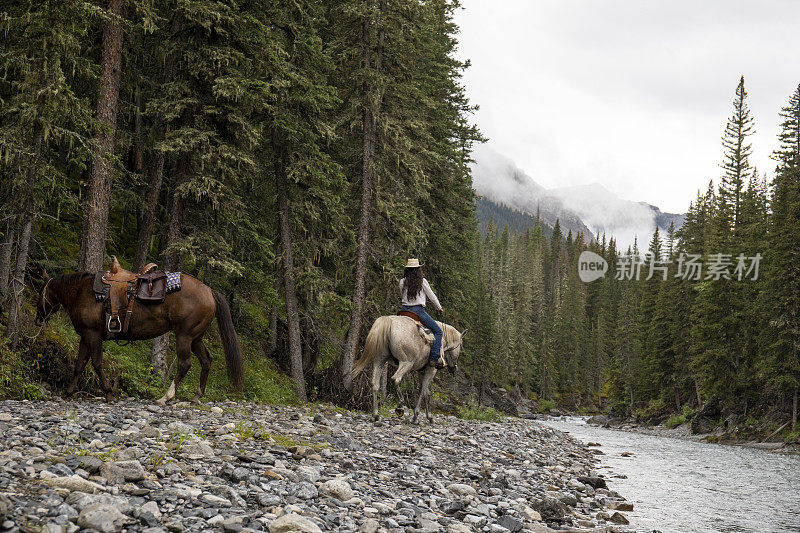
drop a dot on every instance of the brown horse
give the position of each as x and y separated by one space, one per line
187 312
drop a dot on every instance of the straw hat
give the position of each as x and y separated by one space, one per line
413 263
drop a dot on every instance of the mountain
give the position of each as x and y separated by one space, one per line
502 215
605 212
499 180
591 209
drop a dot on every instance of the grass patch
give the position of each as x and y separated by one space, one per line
472 411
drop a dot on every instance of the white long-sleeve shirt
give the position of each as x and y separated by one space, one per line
425 294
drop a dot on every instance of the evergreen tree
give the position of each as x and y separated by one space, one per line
781 366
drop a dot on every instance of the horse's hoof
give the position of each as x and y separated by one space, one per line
430 420
161 402
415 421
376 418
195 401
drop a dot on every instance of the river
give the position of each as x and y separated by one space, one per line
681 485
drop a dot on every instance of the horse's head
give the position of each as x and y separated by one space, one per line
453 351
48 302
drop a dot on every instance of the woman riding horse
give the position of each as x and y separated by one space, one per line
415 291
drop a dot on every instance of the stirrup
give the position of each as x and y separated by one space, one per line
437 364
117 324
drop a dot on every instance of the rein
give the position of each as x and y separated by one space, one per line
44 319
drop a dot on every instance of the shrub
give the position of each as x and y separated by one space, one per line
473 411
675 420
545 406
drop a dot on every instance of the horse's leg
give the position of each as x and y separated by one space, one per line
377 370
203 355
424 385
183 353
80 366
428 414
95 346
403 368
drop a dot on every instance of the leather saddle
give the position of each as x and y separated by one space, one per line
120 288
424 332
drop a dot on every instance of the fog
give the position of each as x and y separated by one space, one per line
631 95
498 178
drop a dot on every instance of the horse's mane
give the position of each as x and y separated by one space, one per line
449 335
72 278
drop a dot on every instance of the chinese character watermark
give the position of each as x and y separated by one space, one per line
689 267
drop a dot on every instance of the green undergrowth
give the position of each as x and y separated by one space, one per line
16 376
545 406
677 419
473 411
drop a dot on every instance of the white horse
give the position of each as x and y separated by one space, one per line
402 338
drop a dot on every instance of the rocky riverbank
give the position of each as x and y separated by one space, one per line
131 466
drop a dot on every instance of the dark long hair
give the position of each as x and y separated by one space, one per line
413 281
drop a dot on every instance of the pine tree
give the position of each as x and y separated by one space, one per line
736 167
43 125
781 297
98 196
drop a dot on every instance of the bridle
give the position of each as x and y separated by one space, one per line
47 301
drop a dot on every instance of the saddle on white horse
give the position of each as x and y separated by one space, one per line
425 333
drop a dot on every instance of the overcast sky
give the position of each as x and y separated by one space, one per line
631 94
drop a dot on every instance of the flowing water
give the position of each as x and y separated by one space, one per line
681 485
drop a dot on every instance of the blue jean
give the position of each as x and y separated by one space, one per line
431 324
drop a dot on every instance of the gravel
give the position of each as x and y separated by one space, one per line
232 467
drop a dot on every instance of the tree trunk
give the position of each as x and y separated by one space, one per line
98 197
18 281
147 219
147 216
172 259
697 392
285 236
138 157
369 137
26 221
6 251
273 312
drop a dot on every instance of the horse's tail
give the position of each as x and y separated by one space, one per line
230 342
377 339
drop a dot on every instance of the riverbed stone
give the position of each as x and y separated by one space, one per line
619 506
619 518
243 468
293 523
101 517
338 488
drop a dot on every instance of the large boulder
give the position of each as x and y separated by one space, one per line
293 523
101 517
338 488
550 509
701 425
598 420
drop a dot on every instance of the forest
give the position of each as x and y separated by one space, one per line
653 337
292 155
